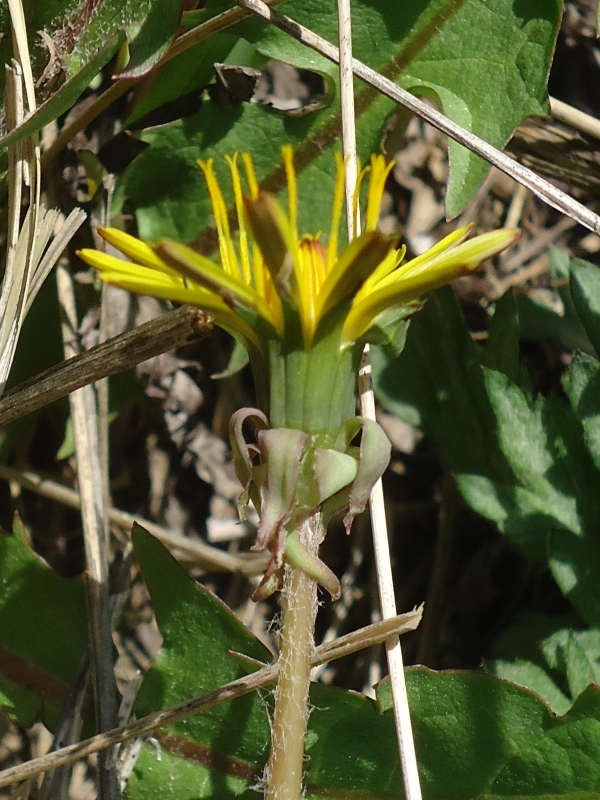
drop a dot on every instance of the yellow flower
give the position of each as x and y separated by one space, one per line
296 304
272 265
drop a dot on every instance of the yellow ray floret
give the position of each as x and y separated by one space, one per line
268 266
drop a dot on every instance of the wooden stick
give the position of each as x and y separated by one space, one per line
167 332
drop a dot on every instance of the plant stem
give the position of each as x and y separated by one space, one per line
283 774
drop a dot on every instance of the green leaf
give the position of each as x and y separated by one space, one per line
539 321
151 39
191 71
577 654
498 80
485 63
555 497
502 348
86 39
199 632
43 632
148 25
476 737
520 462
67 95
543 653
582 385
533 677
540 651
437 384
585 291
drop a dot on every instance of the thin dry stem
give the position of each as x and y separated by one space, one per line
573 116
348 113
125 351
406 745
95 534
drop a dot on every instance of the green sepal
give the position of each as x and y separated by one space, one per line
375 451
281 451
298 556
237 361
332 471
346 434
390 328
242 454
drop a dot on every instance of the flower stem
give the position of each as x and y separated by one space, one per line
283 774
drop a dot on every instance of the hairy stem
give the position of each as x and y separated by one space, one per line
283 774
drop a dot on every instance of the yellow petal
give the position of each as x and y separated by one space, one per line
466 256
406 285
290 177
134 249
202 271
103 262
219 207
379 173
355 264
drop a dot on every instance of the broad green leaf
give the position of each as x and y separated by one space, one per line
486 64
148 25
577 654
520 462
86 36
437 384
68 94
491 739
585 291
555 494
524 653
569 657
582 385
498 80
533 677
502 347
43 632
199 632
539 320
523 639
188 72
149 37
476 737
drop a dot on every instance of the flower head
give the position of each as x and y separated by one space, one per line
282 293
301 308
